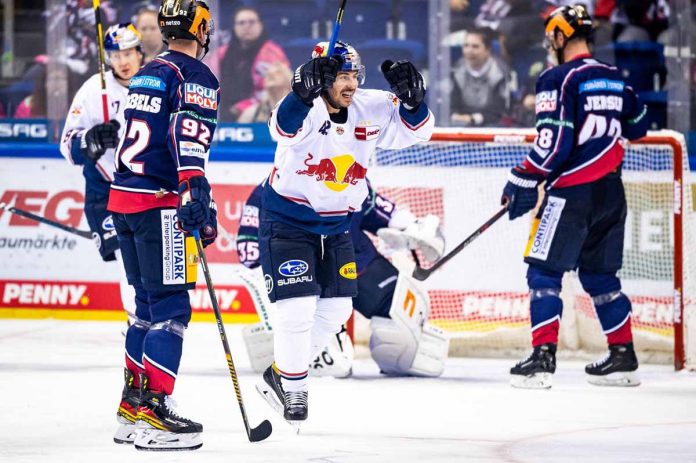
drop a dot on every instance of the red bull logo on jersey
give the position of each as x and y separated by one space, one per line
202 96
337 172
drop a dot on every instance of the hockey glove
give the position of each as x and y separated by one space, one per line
194 204
520 192
209 231
405 82
314 76
100 138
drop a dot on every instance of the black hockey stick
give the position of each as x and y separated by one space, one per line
337 27
44 220
421 274
100 56
265 429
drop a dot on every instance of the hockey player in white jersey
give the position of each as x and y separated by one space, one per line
327 128
89 142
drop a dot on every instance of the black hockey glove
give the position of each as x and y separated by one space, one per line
100 138
194 208
405 82
521 192
314 76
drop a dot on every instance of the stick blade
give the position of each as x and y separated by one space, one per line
420 274
260 432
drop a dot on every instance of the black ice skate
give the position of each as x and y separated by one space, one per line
127 410
159 427
534 372
616 368
291 405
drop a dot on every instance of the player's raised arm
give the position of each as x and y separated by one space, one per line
289 122
413 120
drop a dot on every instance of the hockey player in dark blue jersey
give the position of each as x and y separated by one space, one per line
583 110
399 345
158 196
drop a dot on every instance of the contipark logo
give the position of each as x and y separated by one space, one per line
348 271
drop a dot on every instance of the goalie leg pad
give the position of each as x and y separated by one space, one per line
336 359
259 345
398 351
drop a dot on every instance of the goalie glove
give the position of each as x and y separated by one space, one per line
423 234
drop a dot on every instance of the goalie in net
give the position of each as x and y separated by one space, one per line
402 342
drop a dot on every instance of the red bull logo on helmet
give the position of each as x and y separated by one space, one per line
337 173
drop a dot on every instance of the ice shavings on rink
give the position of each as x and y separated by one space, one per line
60 383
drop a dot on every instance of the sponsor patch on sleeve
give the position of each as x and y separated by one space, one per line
191 148
546 101
199 95
367 133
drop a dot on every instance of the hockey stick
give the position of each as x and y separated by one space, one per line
100 55
265 429
337 27
421 274
44 220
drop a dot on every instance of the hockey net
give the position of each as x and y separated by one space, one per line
480 297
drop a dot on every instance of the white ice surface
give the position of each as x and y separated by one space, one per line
60 383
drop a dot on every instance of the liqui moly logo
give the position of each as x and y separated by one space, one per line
202 96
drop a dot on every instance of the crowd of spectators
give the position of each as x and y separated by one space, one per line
495 45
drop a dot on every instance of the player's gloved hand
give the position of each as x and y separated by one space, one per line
209 231
194 208
521 192
100 138
405 82
314 76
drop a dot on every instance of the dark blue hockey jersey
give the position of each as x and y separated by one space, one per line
171 116
583 109
375 213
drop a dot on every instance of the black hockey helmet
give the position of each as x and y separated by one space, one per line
572 20
180 19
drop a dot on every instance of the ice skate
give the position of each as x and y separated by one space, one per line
292 406
127 410
535 371
616 368
160 427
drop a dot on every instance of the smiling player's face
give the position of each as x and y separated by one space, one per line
344 88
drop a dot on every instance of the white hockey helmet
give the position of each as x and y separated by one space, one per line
351 58
120 37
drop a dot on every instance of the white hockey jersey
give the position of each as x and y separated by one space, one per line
86 112
323 164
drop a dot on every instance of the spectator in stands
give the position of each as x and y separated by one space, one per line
480 91
510 20
276 84
459 19
244 62
35 105
641 20
146 23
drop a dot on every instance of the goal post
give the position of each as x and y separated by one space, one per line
480 297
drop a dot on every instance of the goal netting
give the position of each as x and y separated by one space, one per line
480 297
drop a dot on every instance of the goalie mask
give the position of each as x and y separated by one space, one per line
351 58
180 19
572 22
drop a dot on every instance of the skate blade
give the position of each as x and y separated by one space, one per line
155 440
125 434
616 379
533 381
270 397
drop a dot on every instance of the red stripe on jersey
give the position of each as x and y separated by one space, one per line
187 174
597 168
126 202
283 134
416 127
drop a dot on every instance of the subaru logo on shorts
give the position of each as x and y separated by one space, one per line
293 268
108 223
